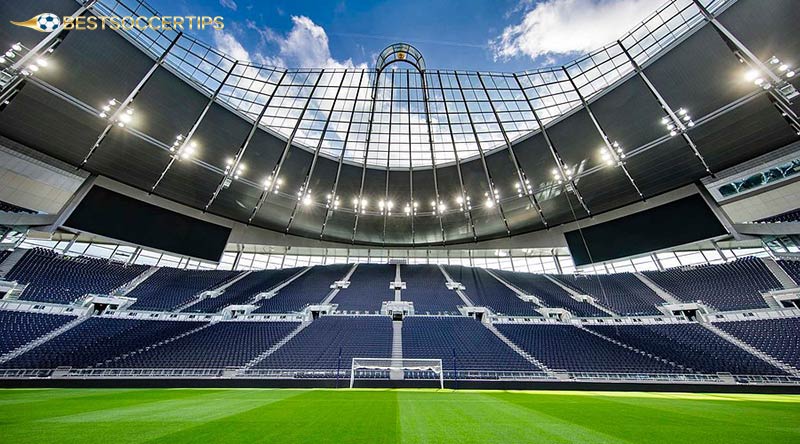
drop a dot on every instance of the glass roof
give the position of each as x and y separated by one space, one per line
406 116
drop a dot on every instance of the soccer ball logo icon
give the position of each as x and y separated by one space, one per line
48 22
45 22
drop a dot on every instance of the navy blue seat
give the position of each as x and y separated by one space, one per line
426 288
623 293
169 288
245 289
310 288
486 291
548 293
369 286
17 328
779 338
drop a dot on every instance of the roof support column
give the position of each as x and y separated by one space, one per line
276 171
112 119
307 180
524 183
617 156
194 127
334 196
553 152
492 198
385 210
359 206
243 147
465 200
439 203
682 129
410 209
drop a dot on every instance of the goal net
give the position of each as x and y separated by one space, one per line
396 368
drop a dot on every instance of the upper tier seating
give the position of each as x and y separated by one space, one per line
779 338
426 288
61 279
731 286
369 286
17 328
566 347
792 268
169 288
550 294
243 290
789 216
486 291
475 347
4 254
97 340
690 345
11 208
310 288
318 345
220 345
623 293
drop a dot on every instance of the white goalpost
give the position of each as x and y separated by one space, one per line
396 367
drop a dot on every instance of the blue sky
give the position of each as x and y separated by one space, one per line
493 35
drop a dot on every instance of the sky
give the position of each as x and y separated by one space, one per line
488 35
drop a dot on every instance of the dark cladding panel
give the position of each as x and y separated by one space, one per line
106 213
680 222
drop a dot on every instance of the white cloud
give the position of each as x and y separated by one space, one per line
569 26
230 4
228 44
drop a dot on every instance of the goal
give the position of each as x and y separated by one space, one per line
396 367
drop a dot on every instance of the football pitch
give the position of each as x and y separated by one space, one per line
392 416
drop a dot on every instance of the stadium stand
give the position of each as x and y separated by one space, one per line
244 290
11 208
310 288
690 345
474 347
566 347
169 288
730 286
54 278
220 345
369 286
17 328
792 268
779 338
623 293
486 291
789 216
4 254
550 294
425 287
317 346
97 340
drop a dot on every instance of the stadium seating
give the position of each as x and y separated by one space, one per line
792 268
318 345
730 286
169 288
11 208
310 288
244 290
4 254
550 294
425 287
474 346
220 345
17 328
369 286
486 291
789 216
97 340
60 279
566 347
623 293
779 338
690 345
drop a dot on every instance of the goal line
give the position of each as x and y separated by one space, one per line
397 367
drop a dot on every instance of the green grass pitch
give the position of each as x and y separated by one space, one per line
392 416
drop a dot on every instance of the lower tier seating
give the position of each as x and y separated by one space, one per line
463 344
318 346
17 328
220 345
779 338
98 340
566 347
690 345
